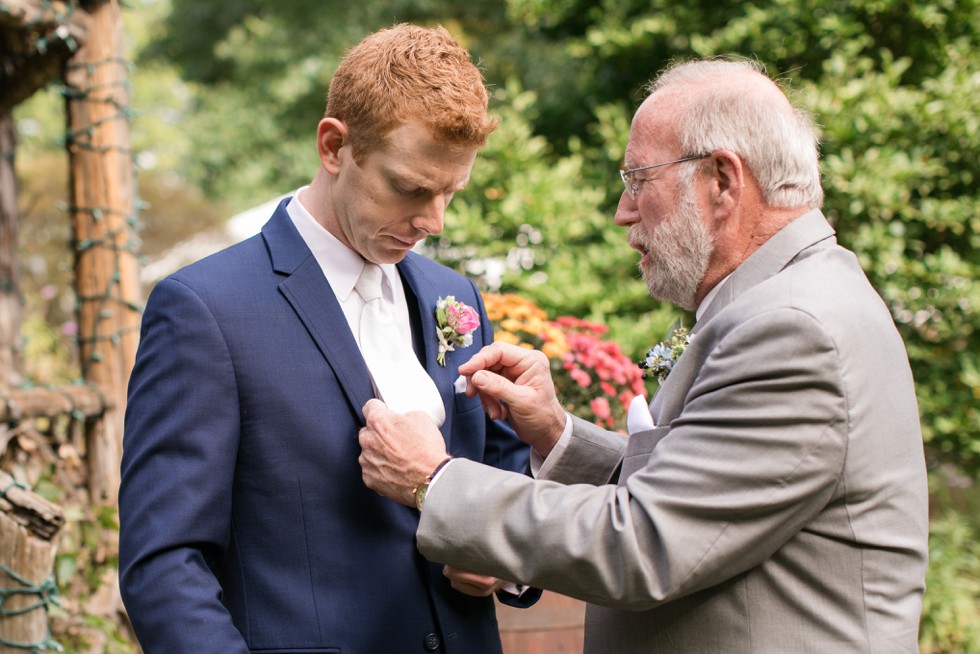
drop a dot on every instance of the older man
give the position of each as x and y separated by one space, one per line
773 498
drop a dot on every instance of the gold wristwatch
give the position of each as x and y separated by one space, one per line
420 490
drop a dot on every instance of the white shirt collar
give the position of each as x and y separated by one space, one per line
341 265
706 302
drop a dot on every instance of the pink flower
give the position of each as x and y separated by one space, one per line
462 318
581 377
455 324
600 407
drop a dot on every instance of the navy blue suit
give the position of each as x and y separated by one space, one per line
245 524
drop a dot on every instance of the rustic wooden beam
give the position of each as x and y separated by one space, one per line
36 38
77 401
28 509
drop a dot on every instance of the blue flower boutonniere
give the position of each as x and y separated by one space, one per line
661 357
455 324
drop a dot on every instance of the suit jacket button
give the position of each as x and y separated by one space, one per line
432 642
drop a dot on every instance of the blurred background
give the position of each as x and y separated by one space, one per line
225 97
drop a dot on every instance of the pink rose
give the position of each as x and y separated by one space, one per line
462 318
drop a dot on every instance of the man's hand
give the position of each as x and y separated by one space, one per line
515 383
471 583
398 451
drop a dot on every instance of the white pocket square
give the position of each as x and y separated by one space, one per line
638 417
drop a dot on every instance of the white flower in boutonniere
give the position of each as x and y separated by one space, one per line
661 357
455 324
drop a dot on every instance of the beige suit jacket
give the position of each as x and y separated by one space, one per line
779 506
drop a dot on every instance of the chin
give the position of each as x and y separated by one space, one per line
393 256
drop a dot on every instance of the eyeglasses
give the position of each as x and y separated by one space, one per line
633 187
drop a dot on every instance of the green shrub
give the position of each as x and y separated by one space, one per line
951 608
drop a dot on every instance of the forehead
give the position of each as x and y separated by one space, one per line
652 133
411 149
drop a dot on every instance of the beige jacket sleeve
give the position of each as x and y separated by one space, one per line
698 502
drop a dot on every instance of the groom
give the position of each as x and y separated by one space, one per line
244 524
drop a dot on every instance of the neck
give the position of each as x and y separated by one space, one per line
751 231
316 200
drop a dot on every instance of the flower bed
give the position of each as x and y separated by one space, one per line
593 378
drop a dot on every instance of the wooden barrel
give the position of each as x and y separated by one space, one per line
554 625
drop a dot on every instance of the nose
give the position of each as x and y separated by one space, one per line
431 218
627 212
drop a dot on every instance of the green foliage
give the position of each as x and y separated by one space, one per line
951 620
901 170
951 611
895 90
893 85
228 94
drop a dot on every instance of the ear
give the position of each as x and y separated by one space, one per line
331 135
727 183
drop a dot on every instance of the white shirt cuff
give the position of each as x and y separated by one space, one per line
541 466
514 589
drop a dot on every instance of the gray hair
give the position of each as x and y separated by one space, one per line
778 143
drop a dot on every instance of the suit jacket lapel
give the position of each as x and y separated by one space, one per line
310 295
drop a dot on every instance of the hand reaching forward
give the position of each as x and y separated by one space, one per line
471 583
515 383
398 451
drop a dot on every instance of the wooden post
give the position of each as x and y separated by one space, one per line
10 302
103 212
28 523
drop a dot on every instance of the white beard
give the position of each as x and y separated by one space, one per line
678 252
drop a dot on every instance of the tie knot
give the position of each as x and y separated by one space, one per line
368 284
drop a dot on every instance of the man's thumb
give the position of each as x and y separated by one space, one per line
491 385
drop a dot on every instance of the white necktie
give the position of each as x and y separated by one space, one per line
399 379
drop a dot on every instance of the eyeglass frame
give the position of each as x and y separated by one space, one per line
634 187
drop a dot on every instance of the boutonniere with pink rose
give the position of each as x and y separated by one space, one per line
455 324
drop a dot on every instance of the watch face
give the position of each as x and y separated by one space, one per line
420 495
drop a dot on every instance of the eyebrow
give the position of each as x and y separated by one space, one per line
411 179
422 183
